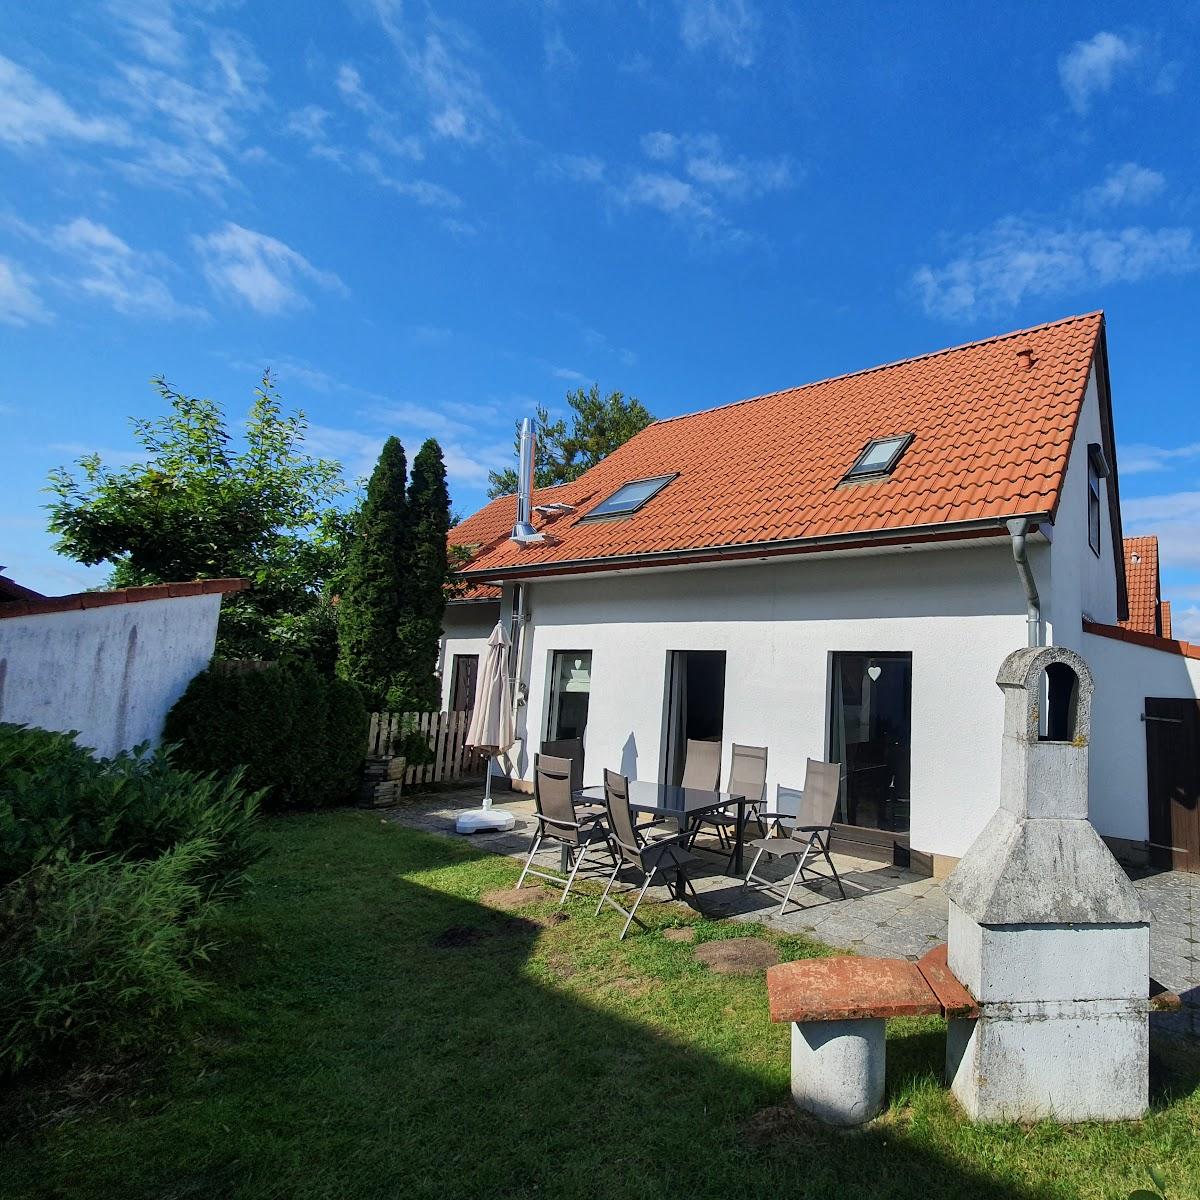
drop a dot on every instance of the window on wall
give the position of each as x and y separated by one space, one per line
570 691
465 673
1097 470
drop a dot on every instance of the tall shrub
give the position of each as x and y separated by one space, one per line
374 597
421 631
293 732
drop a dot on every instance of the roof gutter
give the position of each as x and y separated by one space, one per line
1018 530
949 531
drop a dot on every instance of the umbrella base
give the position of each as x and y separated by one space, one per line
485 820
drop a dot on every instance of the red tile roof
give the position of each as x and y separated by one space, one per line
1142 582
134 595
993 424
1164 612
1137 638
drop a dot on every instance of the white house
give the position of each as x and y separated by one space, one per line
837 571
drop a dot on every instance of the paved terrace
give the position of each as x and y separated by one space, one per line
888 911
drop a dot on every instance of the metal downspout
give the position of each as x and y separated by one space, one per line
1018 529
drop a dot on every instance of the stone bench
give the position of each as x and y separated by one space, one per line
838 1009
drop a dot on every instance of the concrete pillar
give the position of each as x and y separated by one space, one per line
1046 931
838 1069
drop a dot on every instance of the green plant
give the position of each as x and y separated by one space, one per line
205 503
99 950
296 734
57 802
412 745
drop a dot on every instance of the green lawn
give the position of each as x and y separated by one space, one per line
373 1030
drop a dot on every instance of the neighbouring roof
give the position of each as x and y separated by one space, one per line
1142 581
1136 637
11 590
993 423
134 595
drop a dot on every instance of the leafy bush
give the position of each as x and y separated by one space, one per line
296 733
57 802
99 950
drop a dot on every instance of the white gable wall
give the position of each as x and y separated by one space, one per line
959 612
1075 581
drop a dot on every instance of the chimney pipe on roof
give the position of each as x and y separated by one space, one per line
523 531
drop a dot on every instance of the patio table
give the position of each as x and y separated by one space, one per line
682 804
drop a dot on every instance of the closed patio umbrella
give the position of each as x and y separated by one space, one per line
491 728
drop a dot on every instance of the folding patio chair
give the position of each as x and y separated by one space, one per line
634 850
810 834
747 777
701 765
559 825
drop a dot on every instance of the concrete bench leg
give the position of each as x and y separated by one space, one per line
838 1069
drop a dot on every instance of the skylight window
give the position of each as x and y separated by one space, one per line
629 497
879 458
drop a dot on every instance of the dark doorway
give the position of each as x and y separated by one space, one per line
464 675
695 704
1173 782
870 728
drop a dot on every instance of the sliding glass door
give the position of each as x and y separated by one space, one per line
695 705
870 728
570 692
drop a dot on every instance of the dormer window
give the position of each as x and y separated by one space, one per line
879 458
629 497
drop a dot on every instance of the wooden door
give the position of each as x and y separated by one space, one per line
1173 782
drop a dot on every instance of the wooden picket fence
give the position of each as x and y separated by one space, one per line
446 733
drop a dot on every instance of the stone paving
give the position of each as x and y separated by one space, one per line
888 911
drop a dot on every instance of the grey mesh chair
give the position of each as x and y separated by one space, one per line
747 777
701 765
571 748
559 824
632 849
813 824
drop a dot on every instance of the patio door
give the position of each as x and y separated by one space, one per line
570 694
695 705
462 682
870 729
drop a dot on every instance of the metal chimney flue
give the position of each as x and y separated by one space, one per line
523 531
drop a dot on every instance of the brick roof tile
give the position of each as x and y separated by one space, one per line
992 438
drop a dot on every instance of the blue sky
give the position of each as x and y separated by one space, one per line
428 218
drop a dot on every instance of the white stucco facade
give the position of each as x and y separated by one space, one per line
111 673
465 630
958 608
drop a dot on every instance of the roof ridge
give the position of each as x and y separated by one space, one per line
900 362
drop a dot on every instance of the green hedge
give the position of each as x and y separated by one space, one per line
298 734
108 869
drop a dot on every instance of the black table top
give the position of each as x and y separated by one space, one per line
645 796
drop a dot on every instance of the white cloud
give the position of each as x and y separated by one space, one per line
1091 67
384 127
436 66
19 301
260 271
1128 183
32 114
1174 517
729 27
149 25
582 168
1139 458
112 271
423 191
1015 258
660 145
1185 623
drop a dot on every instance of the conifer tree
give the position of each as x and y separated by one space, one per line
374 603
421 629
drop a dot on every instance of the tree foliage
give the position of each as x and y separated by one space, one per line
202 504
429 572
374 598
598 426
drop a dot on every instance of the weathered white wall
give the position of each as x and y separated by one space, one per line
958 611
1071 578
112 673
1125 675
465 630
